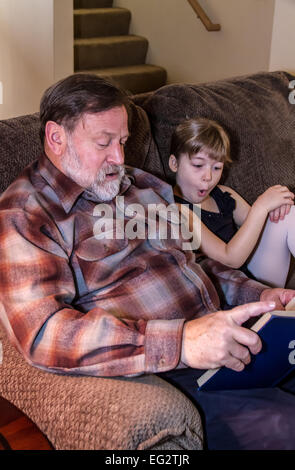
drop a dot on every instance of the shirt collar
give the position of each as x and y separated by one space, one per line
68 190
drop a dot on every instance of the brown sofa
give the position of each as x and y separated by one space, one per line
146 412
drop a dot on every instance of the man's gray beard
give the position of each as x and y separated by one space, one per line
107 190
103 190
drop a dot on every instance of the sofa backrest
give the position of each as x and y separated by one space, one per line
256 113
254 109
19 146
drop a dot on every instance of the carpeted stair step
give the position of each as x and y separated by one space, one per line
109 52
93 4
102 46
97 22
135 78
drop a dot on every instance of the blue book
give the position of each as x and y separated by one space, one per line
267 368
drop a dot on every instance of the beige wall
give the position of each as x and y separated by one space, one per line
283 38
63 39
36 42
179 41
30 59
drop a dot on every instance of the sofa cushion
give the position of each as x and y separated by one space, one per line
255 111
19 145
140 150
87 413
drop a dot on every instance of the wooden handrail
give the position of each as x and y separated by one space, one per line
203 17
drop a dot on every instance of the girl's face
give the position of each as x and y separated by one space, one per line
197 175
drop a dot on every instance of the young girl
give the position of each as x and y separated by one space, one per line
230 227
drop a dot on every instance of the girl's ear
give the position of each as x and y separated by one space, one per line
173 163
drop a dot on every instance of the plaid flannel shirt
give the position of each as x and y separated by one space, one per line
72 303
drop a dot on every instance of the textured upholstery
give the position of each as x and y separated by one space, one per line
84 413
19 146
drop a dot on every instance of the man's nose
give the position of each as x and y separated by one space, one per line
117 155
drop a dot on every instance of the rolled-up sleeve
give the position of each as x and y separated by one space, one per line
233 286
37 294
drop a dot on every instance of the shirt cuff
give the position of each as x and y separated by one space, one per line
163 342
252 293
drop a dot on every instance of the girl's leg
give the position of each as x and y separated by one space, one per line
271 260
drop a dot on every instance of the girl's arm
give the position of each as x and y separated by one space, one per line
242 207
237 250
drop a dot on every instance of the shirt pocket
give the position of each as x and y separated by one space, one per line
92 249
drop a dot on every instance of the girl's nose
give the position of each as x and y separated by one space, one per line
207 176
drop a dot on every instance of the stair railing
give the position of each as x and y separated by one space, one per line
203 17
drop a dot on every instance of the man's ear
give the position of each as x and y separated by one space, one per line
55 137
173 163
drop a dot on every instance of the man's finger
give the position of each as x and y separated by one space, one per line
234 364
288 295
246 337
242 313
240 352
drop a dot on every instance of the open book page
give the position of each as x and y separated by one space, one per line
291 305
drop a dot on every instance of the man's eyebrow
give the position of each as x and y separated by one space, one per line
110 134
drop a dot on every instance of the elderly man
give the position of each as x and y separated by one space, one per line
78 303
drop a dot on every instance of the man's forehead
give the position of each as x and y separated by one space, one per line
105 121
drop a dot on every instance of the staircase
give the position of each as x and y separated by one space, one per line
103 45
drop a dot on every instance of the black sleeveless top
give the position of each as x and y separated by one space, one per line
220 223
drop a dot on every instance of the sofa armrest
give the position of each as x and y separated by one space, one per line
79 413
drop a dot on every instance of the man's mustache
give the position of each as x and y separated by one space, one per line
110 170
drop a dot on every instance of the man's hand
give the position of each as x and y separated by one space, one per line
218 339
280 296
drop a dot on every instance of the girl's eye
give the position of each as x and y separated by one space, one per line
198 166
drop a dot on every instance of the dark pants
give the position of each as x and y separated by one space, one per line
242 419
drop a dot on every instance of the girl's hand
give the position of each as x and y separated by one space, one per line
279 213
273 198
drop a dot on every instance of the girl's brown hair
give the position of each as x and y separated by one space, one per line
200 134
